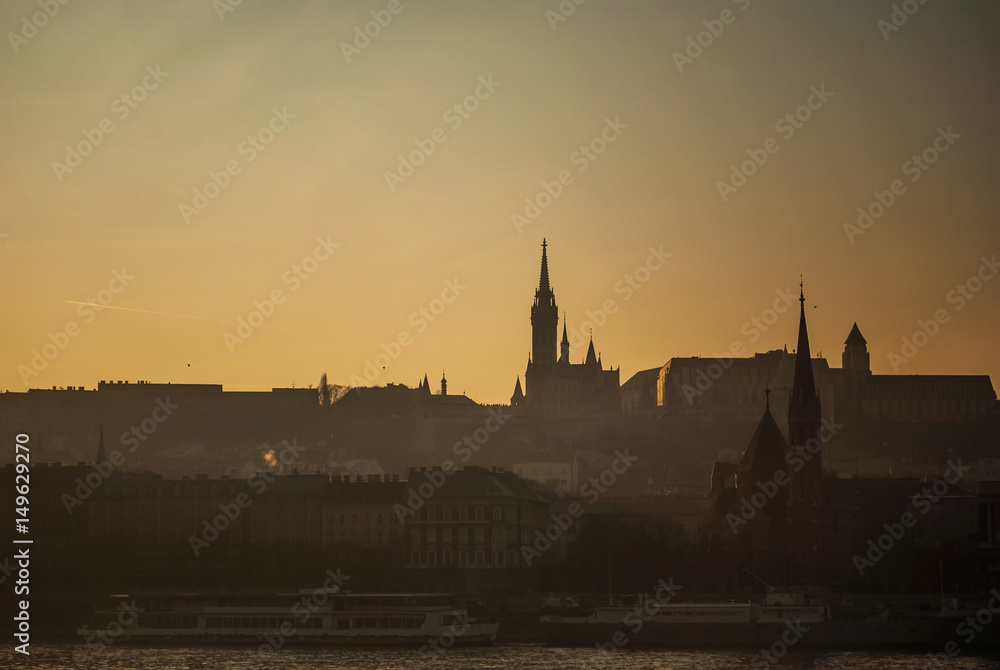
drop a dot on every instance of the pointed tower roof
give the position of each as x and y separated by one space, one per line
591 356
543 278
518 394
100 447
565 337
766 451
803 404
855 337
426 387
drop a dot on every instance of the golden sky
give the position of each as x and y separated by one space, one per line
300 116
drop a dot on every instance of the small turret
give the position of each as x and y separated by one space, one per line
518 396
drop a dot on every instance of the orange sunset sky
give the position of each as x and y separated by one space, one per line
116 116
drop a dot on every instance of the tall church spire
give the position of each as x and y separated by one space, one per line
544 317
543 279
804 403
805 415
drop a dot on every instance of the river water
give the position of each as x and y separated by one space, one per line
503 656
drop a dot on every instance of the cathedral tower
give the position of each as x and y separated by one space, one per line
544 318
804 417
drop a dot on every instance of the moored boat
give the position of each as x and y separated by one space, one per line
795 617
309 617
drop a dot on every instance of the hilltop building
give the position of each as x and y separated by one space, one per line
553 386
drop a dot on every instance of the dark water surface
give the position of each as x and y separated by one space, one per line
504 656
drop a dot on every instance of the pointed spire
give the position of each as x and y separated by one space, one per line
543 279
564 345
591 356
803 405
426 388
518 396
100 447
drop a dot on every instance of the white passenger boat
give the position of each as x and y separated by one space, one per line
309 617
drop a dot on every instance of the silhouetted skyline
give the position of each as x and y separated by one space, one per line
248 152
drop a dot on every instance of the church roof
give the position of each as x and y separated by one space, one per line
803 403
767 446
591 356
855 337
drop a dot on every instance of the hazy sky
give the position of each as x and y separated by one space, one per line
329 114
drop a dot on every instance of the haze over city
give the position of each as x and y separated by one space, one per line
507 98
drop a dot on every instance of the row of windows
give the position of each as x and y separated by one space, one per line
499 535
168 621
438 513
355 518
259 622
381 622
479 557
358 537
